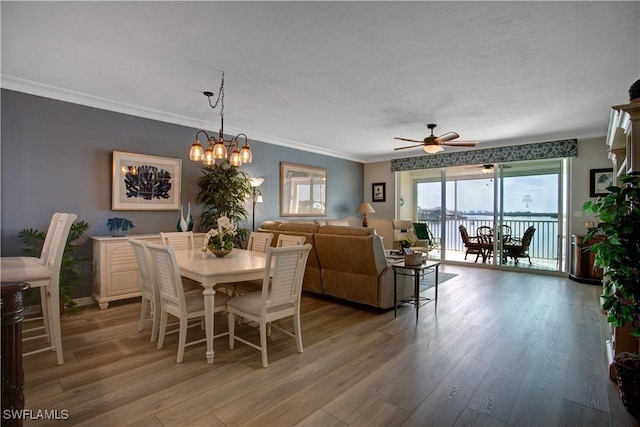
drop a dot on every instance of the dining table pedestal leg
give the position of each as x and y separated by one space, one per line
209 305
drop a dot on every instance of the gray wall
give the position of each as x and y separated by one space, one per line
56 156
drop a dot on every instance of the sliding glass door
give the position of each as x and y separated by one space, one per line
494 205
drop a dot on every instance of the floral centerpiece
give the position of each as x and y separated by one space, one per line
406 242
220 240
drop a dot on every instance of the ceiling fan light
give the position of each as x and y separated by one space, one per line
432 149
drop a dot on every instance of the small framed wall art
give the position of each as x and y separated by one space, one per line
141 182
599 180
378 192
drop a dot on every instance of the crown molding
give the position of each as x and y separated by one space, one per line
52 92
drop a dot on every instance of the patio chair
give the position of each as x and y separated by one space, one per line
423 232
472 244
402 229
519 247
485 236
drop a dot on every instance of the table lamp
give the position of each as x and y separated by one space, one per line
364 209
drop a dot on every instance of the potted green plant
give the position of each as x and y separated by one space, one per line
70 271
224 190
618 254
406 242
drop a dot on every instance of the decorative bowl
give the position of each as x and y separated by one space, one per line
219 253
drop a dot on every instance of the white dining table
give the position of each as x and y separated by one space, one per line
205 268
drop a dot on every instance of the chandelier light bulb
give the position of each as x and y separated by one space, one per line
245 154
208 158
234 159
196 153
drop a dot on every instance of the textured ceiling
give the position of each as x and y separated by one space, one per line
338 78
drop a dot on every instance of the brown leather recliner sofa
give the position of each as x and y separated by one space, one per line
345 262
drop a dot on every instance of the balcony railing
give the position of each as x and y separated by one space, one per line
544 243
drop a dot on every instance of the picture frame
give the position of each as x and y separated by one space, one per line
599 180
141 182
303 190
378 192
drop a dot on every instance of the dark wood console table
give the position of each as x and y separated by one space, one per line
582 269
12 372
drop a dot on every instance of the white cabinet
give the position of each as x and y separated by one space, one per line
623 138
115 271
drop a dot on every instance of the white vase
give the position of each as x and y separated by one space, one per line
189 218
182 224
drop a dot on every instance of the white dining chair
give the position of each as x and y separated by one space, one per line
278 299
150 293
46 276
178 239
181 240
285 240
174 301
259 241
42 260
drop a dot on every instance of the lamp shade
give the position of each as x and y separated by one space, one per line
365 208
256 182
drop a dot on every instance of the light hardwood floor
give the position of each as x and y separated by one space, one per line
503 348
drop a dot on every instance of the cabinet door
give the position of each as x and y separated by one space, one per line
123 272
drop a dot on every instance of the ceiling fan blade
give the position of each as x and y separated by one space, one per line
404 148
405 139
447 137
460 144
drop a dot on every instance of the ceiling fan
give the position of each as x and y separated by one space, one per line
433 144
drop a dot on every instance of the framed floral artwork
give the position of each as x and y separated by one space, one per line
143 182
599 180
378 192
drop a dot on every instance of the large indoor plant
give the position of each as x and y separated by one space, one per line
70 270
618 254
224 190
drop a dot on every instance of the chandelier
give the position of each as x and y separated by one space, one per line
219 148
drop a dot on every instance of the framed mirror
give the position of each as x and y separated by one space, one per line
303 190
